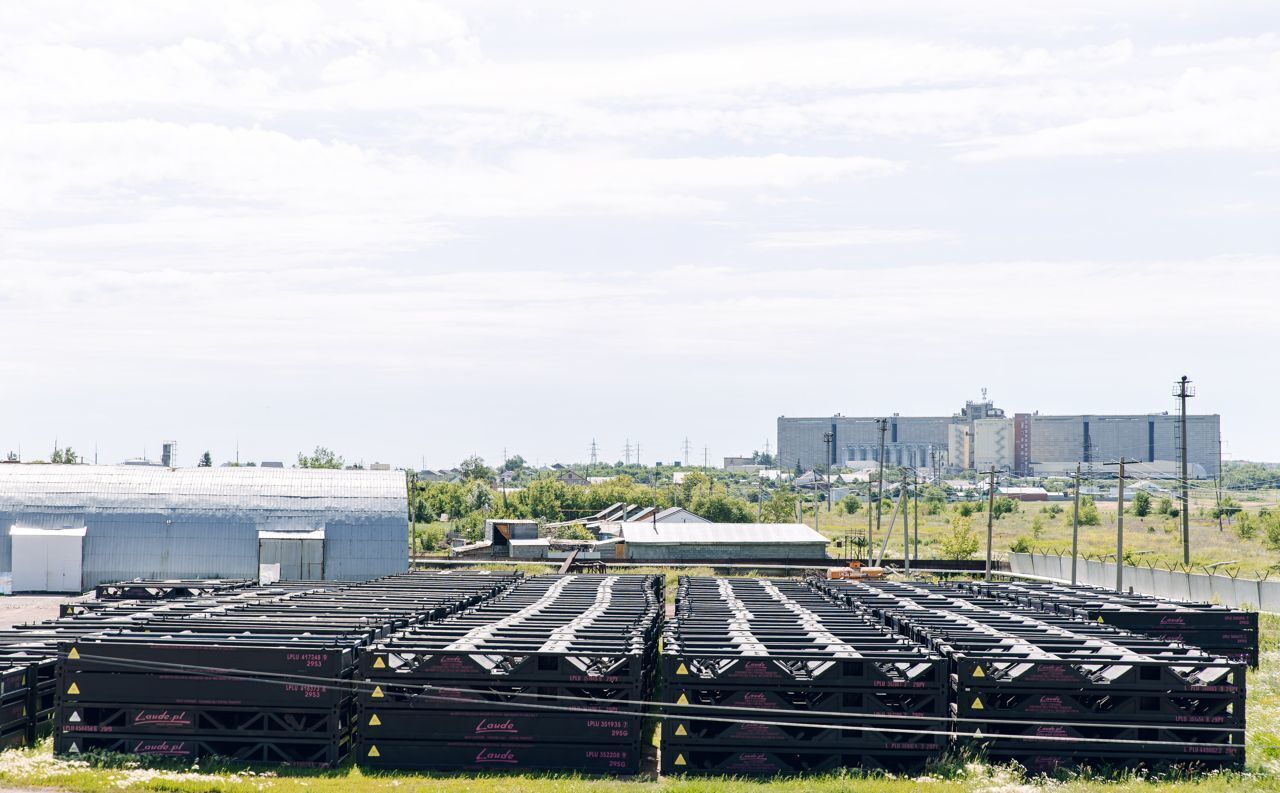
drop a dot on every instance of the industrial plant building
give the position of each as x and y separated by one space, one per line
981 436
67 528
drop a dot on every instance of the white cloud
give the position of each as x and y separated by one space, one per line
842 238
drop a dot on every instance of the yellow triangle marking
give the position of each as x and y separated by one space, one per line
73 689
374 721
377 692
682 670
1099 619
378 663
683 700
680 760
977 672
977 703
373 752
73 655
680 730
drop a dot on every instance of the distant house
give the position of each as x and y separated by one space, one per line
569 476
1024 493
720 541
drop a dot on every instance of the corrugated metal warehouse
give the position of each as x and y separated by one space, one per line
646 540
71 527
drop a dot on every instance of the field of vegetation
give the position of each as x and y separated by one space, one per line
1241 528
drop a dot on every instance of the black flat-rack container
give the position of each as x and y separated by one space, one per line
1048 690
1218 630
261 674
549 676
766 677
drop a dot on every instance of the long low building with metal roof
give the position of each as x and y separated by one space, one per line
67 528
649 540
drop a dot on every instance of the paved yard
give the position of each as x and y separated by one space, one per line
17 609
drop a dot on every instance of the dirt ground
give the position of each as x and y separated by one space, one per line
18 609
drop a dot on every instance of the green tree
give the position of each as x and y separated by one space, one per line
474 468
961 542
964 509
781 507
575 531
1141 503
66 456
513 463
1165 505
692 483
206 460
320 458
851 504
722 508
1037 527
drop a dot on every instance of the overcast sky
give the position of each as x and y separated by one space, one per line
411 231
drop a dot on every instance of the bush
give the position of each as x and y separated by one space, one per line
1037 527
1141 504
1165 506
961 543
1089 512
965 509
1021 545
1052 510
1003 506
851 505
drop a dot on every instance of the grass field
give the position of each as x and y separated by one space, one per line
1157 539
37 768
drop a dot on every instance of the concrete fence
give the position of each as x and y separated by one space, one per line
1178 583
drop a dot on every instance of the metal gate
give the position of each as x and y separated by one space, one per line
47 560
300 555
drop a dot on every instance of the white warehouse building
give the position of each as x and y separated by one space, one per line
67 528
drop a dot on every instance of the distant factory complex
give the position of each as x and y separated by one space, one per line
981 435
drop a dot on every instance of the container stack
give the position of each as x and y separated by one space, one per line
766 677
1218 630
258 675
1049 690
550 676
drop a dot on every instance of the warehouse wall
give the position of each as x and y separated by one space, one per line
726 552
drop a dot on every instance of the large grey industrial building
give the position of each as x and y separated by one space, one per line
71 527
981 435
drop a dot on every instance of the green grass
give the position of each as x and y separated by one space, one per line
1157 539
37 767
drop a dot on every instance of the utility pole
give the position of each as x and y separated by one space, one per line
869 511
884 426
759 499
637 452
1120 523
705 458
1217 482
1075 527
906 535
915 480
1183 391
626 450
991 503
827 437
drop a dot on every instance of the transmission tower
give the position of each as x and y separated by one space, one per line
686 450
626 450
595 453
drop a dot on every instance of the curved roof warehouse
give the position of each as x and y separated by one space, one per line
151 522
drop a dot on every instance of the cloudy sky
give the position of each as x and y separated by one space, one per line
411 231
